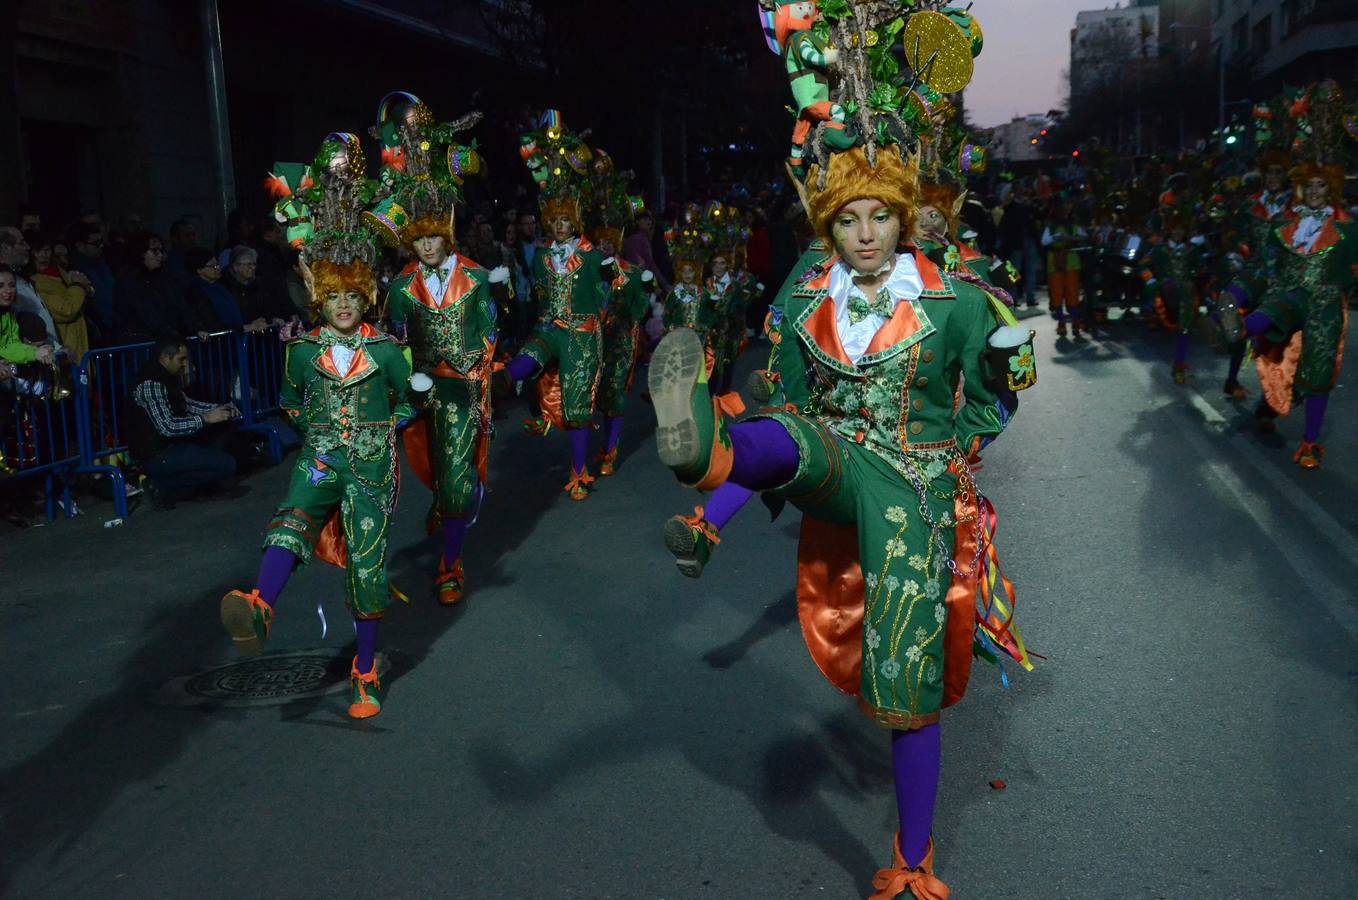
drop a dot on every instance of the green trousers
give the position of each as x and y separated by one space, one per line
902 554
364 492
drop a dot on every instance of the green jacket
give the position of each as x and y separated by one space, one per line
358 409
456 330
899 397
576 295
689 306
11 348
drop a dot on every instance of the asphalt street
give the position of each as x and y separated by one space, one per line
590 724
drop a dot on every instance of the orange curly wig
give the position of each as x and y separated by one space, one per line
944 198
429 226
331 277
1332 175
894 182
554 207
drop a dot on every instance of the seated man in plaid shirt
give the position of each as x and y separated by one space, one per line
171 436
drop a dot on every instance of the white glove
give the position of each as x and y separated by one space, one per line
647 276
499 275
609 261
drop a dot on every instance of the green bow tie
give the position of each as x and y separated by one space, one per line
436 272
860 308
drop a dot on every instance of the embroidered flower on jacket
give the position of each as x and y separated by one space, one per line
891 583
896 515
871 580
932 589
874 640
920 635
911 587
917 562
940 613
890 669
896 547
912 653
367 523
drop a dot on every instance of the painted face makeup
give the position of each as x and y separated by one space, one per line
865 234
343 311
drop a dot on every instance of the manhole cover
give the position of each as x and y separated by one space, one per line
272 680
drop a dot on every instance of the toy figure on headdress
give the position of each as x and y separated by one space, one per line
570 281
1302 314
788 30
344 389
441 306
897 560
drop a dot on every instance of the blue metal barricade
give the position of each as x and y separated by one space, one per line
220 371
40 430
263 355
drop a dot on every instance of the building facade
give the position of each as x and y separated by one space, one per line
1271 43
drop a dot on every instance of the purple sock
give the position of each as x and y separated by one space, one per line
1315 416
766 456
579 438
274 570
1256 323
614 432
915 759
454 532
365 643
1237 357
1181 351
521 367
725 502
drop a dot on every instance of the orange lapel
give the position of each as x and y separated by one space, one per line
904 323
458 286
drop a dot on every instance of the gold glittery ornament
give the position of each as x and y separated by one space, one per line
931 33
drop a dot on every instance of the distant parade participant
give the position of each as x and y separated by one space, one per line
689 304
1171 279
1264 211
570 278
441 306
344 389
894 531
1061 238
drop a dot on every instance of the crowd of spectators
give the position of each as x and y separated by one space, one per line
66 291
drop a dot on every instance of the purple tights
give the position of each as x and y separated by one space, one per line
724 503
915 760
521 367
1181 351
454 533
579 438
766 456
614 432
365 643
274 570
1315 416
1256 323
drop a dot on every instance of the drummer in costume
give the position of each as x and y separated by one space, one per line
1302 317
571 279
344 389
441 307
896 539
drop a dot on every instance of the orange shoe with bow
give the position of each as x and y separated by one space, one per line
901 879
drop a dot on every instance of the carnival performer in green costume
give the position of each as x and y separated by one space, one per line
628 301
344 389
571 282
1303 315
441 306
896 541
